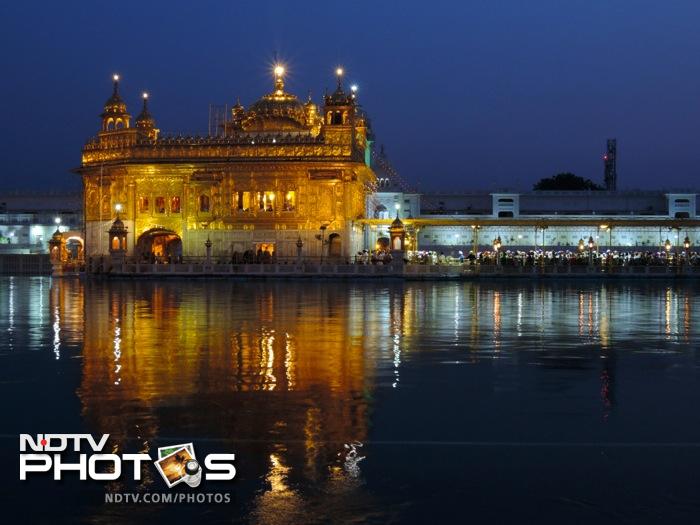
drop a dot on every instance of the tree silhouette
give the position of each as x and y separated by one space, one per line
566 182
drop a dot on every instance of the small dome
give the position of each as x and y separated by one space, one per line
115 104
117 226
397 223
339 98
145 119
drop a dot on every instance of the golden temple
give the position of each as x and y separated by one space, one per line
277 178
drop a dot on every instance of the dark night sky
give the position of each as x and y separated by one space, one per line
464 95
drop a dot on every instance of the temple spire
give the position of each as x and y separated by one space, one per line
339 74
279 79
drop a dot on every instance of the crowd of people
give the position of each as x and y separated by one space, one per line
373 257
558 258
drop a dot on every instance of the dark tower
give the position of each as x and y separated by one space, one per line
610 161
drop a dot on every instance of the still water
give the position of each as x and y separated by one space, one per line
381 402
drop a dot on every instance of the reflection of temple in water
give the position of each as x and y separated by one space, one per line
287 374
279 378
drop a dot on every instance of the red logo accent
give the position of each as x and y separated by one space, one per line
43 442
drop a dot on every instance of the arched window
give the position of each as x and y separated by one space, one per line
115 243
143 204
204 203
175 204
160 204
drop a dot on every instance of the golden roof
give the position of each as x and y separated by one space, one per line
276 111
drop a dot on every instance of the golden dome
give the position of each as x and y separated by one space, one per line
277 111
114 104
145 119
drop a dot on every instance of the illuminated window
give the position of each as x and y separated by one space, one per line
175 204
290 201
143 204
266 201
204 203
242 200
160 204
115 243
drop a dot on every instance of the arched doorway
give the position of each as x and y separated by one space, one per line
159 244
335 245
74 248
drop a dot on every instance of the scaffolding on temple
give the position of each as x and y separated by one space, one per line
217 120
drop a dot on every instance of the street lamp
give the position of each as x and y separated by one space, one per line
581 245
496 247
686 245
475 237
591 245
667 246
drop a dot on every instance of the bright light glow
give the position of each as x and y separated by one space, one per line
353 88
115 77
397 206
145 95
279 70
339 71
36 230
118 207
57 220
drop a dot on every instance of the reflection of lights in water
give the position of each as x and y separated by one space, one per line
289 364
267 359
497 321
667 311
279 503
458 312
397 359
519 322
41 297
277 476
686 317
11 311
396 326
117 351
56 333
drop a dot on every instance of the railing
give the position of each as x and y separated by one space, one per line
292 267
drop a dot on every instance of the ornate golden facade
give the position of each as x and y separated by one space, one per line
276 173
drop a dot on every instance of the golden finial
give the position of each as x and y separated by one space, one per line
339 73
279 79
